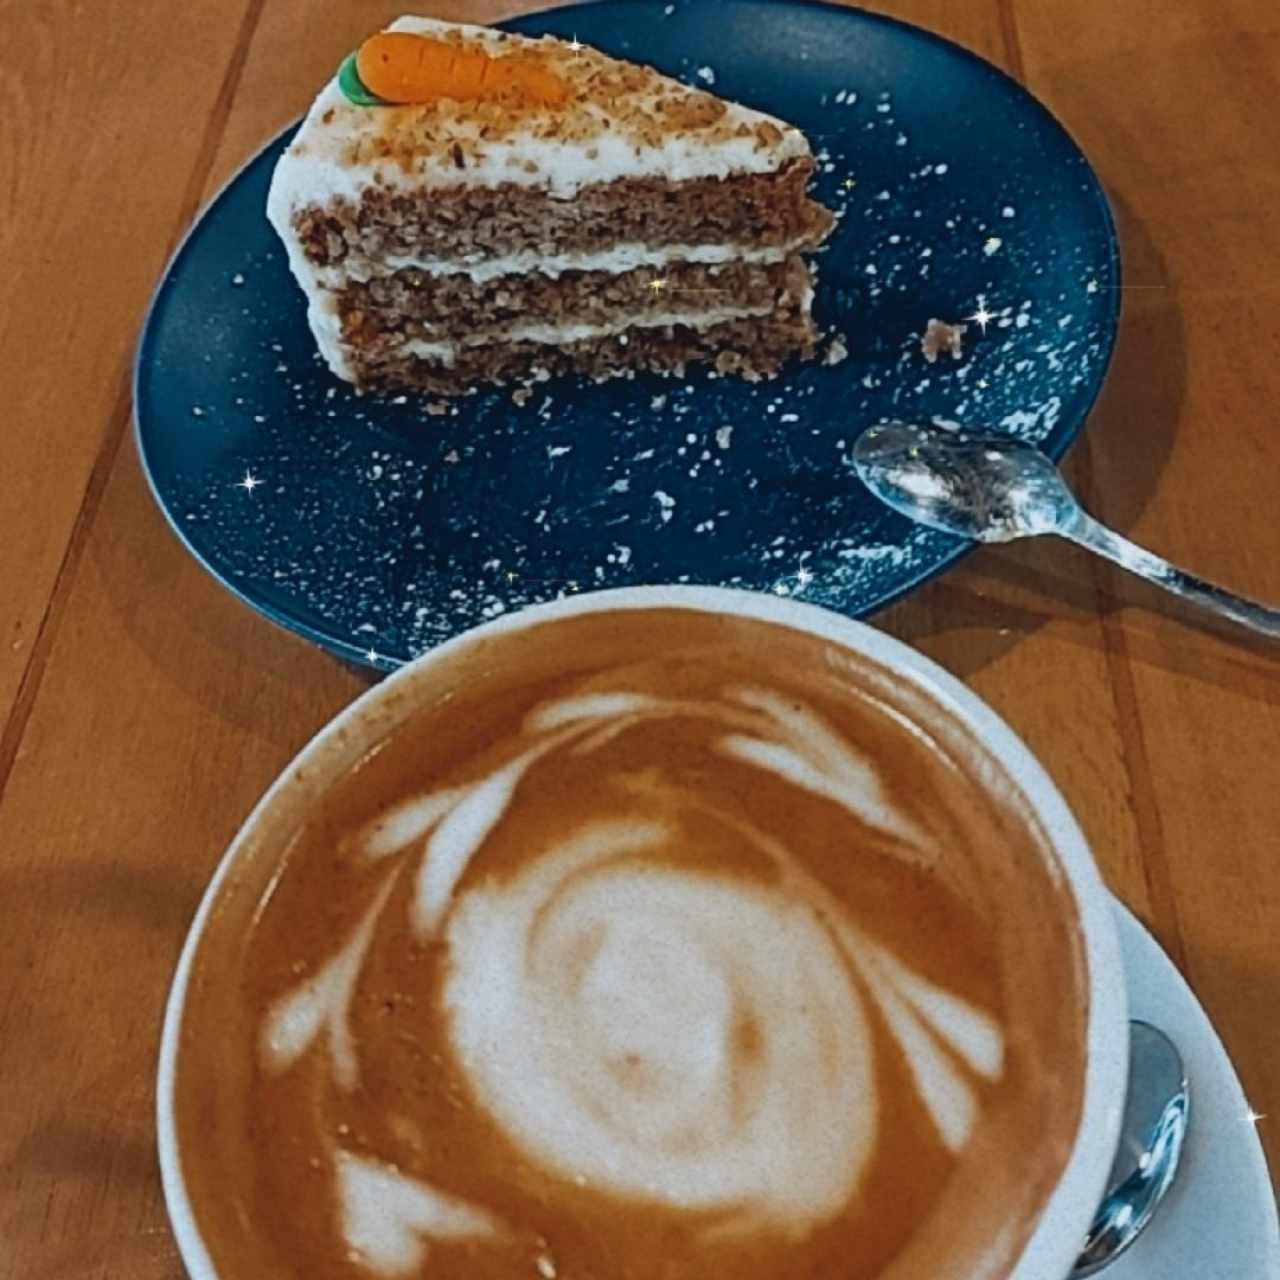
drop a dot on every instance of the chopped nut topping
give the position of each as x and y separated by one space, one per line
603 95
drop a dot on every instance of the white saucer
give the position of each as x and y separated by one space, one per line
1219 1221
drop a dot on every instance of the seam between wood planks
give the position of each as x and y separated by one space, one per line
1124 695
120 415
1012 40
1137 761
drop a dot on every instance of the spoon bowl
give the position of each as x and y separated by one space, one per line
1156 1112
984 487
993 488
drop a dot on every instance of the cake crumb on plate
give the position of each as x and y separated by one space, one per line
939 337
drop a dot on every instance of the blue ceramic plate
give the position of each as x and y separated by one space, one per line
377 531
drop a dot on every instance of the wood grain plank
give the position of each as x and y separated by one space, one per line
106 855
97 151
1171 102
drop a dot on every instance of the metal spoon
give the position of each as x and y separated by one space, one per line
1156 1111
995 489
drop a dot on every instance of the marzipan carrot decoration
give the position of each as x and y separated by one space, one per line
397 67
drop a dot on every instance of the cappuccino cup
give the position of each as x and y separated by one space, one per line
663 932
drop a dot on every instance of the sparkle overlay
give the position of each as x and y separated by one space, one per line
794 585
661 284
249 483
982 317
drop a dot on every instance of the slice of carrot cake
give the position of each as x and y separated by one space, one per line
464 207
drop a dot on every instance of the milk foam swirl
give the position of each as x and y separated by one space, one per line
663 1034
636 1024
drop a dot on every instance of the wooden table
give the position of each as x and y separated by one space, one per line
144 709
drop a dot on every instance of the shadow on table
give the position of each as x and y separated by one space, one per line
1003 594
66 1150
94 1134
997 596
198 637
148 1254
99 887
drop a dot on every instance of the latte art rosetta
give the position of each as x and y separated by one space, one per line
654 998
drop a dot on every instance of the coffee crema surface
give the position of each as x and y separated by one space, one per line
653 943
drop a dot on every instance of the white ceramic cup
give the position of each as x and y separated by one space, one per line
1059 1235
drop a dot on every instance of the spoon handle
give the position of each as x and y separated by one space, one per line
1128 555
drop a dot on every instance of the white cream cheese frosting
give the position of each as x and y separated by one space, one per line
648 130
620 122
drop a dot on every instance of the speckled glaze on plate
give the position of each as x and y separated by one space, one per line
376 530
